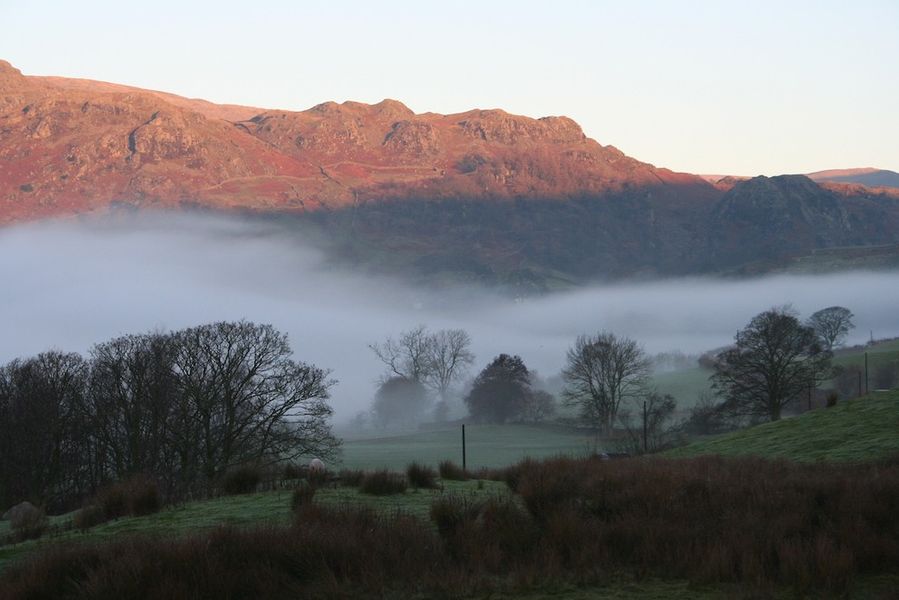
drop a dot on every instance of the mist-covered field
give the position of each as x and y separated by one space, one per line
68 285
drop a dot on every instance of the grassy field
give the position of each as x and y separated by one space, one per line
487 446
685 386
689 384
878 354
247 510
866 428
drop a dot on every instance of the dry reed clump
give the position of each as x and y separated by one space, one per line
759 524
451 471
351 477
421 476
383 483
137 496
243 479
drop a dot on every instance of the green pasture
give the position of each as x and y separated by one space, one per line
260 509
863 429
487 446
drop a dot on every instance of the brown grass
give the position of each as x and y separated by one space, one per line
761 525
383 483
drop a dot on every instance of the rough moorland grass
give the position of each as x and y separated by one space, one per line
266 508
856 430
745 525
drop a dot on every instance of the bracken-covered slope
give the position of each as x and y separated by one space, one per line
70 146
481 195
868 176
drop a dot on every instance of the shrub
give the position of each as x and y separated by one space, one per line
302 496
136 496
351 477
450 514
143 496
383 483
28 523
113 499
294 471
421 476
89 516
451 471
318 477
241 480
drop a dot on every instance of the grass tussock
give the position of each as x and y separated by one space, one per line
351 477
137 496
755 524
383 483
302 496
243 479
451 471
421 476
30 523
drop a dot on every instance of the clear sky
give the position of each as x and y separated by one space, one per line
723 87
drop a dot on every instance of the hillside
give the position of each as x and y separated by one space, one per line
855 430
72 146
480 196
868 176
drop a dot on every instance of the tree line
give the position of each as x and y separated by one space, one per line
182 407
774 360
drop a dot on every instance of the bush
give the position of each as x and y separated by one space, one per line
28 523
294 471
318 477
143 496
755 525
136 496
421 476
383 483
302 496
451 471
241 480
89 516
351 477
451 513
113 499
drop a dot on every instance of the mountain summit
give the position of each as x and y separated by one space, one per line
71 145
480 195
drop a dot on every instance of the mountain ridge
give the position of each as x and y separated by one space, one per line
483 194
73 145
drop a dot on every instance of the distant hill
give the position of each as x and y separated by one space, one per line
856 430
867 177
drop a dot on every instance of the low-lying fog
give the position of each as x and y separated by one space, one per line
67 285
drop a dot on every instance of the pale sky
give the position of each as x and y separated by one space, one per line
701 86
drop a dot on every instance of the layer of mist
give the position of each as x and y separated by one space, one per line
68 285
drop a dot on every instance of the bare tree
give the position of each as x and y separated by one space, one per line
129 406
449 358
646 427
436 360
774 361
407 357
602 372
832 325
41 441
245 399
181 407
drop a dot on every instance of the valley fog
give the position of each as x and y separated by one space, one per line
68 285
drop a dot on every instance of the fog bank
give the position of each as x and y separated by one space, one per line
68 285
